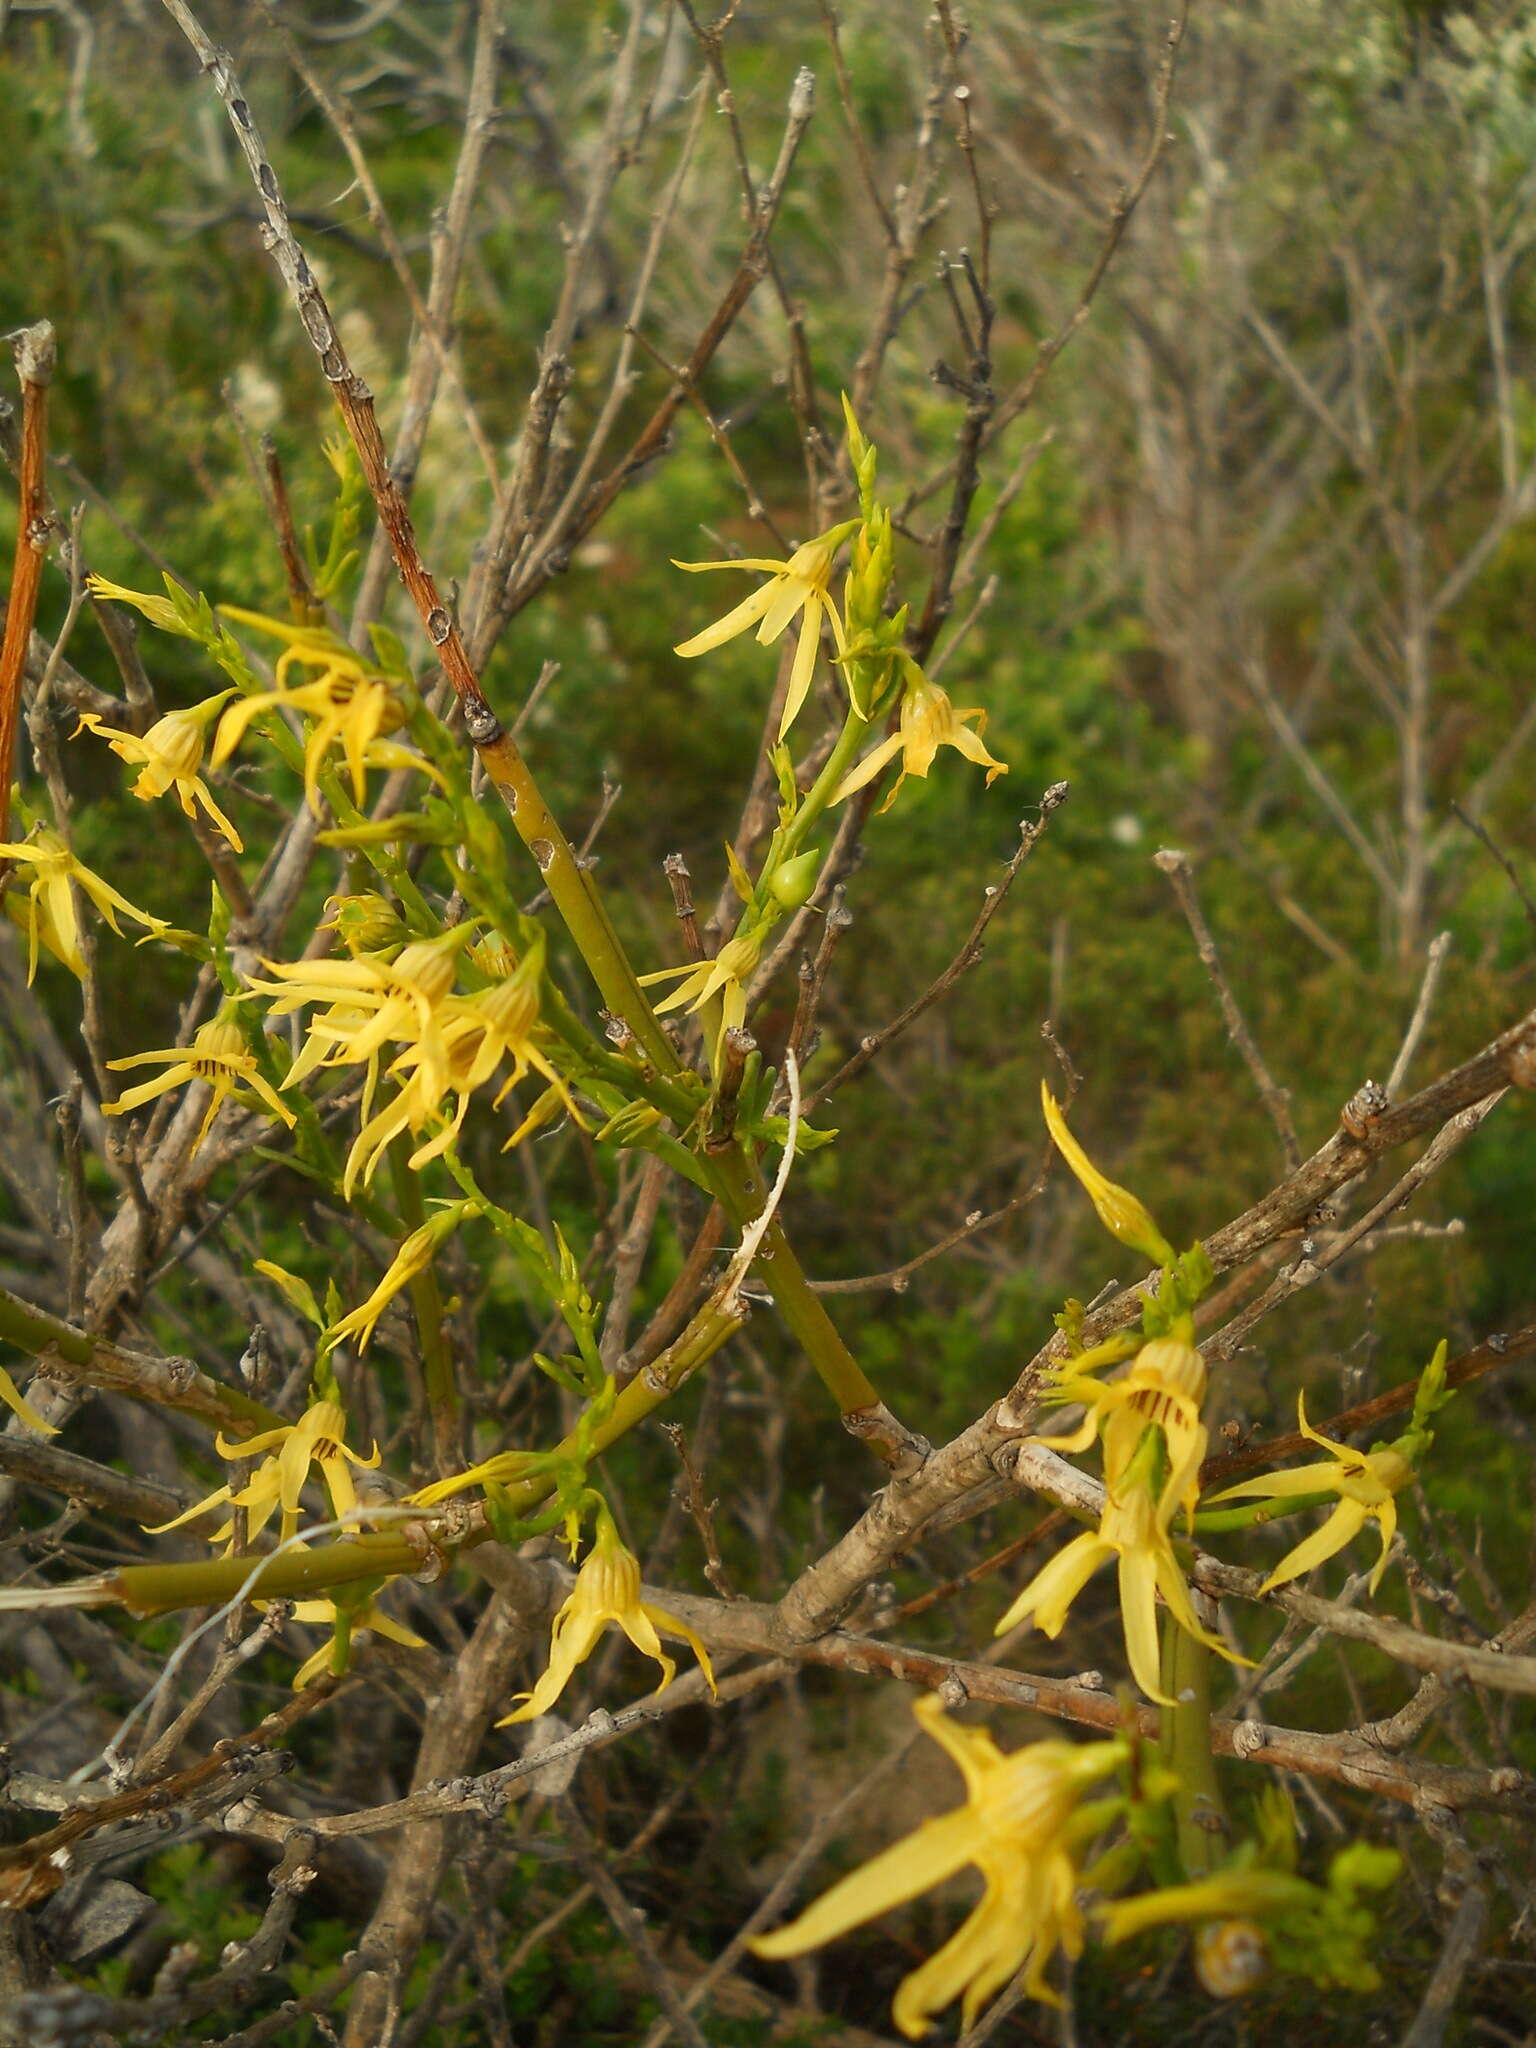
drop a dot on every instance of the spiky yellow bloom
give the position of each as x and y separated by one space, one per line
725 976
607 1589
1163 1389
318 1439
802 584
1118 1209
1133 1534
1017 1827
47 912
928 721
475 1034
373 1000
367 1619
350 700
171 753
416 1253
501 1469
220 1058
158 610
1367 1483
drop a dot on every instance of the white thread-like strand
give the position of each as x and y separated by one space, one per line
752 1237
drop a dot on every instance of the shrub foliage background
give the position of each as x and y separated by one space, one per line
1249 570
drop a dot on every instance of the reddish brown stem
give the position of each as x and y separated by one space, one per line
34 351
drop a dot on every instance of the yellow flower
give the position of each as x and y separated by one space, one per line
1018 1826
799 585
346 1626
13 1398
607 1589
414 1104
315 1439
373 1000
499 1470
724 976
1367 1483
474 1034
171 753
416 1253
220 1058
1119 1211
158 610
1134 1535
1163 1389
928 721
49 918
350 700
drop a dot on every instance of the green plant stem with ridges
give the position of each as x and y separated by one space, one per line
576 899
427 1300
40 1335
1186 1746
159 1589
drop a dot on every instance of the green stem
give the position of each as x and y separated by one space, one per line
168 1382
824 788
160 1588
1186 1747
1216 1521
576 898
741 1195
427 1300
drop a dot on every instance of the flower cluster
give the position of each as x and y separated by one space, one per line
1153 1440
450 1045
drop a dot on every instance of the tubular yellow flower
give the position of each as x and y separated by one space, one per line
416 1253
171 753
607 1589
475 1034
350 700
49 917
499 1024
317 1438
158 610
724 976
218 1057
373 1000
802 584
1367 1483
1119 1211
928 721
1016 1826
1131 1532
332 1656
1163 1389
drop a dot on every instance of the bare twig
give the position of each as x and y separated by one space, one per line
1175 866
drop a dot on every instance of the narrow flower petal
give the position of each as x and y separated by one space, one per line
932 1853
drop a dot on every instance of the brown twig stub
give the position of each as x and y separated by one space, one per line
34 351
1276 1100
